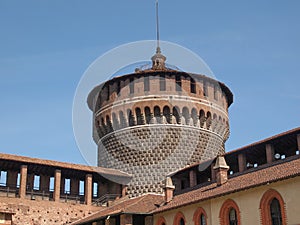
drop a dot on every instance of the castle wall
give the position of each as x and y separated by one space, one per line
152 152
38 212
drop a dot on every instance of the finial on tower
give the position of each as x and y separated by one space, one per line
158 60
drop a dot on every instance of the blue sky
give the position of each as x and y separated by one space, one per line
46 46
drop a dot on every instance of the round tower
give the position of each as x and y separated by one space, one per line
153 122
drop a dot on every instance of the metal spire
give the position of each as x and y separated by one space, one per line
157 28
158 60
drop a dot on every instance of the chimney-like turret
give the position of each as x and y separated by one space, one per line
169 190
221 170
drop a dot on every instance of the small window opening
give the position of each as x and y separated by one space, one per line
95 190
232 217
51 185
81 187
178 83
162 83
216 92
146 83
131 85
202 219
193 86
36 183
181 222
275 212
67 186
119 88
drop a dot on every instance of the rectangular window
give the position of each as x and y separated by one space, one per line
95 190
178 83
146 83
131 85
67 187
36 182
119 88
3 176
205 89
162 83
193 86
51 185
216 92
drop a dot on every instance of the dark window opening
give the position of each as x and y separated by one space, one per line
181 222
193 86
147 115
138 220
119 88
131 85
202 219
275 212
178 83
162 83
232 217
139 116
216 92
146 83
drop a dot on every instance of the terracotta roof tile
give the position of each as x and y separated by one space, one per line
140 205
50 163
276 172
281 135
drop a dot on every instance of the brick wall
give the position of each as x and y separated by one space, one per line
34 212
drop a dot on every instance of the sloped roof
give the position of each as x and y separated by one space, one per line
63 165
140 205
268 173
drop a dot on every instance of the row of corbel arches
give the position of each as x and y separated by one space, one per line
161 115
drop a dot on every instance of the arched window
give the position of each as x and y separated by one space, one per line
115 122
176 113
202 220
230 213
186 115
202 118
139 116
167 113
275 212
232 217
272 209
147 114
122 120
161 221
108 124
194 116
131 121
181 222
208 120
200 217
157 114
179 219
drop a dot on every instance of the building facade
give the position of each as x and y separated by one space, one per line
156 121
161 161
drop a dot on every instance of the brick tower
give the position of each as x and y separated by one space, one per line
155 121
